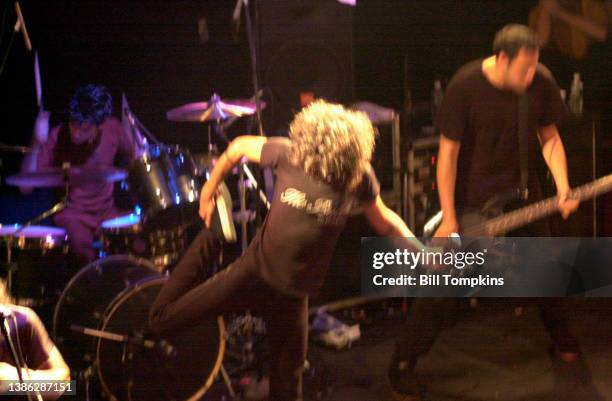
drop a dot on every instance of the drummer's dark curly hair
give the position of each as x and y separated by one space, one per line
90 104
332 144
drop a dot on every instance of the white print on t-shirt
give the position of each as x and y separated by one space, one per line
322 207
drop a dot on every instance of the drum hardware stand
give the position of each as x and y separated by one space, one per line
127 340
227 381
167 348
245 173
134 122
58 207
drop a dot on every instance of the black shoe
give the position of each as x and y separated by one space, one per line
404 385
565 348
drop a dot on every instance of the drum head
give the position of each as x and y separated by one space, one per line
85 301
181 366
125 221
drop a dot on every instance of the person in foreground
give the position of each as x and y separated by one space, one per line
321 170
43 359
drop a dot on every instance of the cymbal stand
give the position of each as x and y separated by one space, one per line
252 36
58 207
245 176
135 122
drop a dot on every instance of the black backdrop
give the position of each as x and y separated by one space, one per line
151 50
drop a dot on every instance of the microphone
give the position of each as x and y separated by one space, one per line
20 25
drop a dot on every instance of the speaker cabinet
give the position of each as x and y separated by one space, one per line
306 46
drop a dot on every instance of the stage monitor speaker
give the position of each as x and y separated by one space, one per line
306 47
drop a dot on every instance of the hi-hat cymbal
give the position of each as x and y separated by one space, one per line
213 110
76 176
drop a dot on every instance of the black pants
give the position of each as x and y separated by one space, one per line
188 296
427 317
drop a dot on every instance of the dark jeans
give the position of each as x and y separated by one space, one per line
428 316
189 295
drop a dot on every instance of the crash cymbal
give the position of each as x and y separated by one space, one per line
76 176
213 110
13 148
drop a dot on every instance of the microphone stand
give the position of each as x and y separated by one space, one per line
252 34
252 38
6 332
15 349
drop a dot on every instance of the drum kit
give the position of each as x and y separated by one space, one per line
100 315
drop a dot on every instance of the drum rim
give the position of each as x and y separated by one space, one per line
60 302
119 300
135 227
55 237
59 231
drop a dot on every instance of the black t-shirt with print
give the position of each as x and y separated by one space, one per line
485 118
294 247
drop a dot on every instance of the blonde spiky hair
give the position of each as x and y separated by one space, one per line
332 144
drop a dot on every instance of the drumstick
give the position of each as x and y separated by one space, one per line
37 81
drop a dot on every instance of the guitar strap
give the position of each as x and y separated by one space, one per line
523 114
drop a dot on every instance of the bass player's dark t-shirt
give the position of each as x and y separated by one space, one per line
485 118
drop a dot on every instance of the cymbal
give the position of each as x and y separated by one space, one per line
213 110
54 177
377 114
13 148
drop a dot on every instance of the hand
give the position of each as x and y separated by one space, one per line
567 205
207 204
447 228
41 127
432 264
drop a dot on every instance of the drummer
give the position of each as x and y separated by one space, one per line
91 138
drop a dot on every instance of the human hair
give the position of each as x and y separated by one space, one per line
90 104
332 144
514 37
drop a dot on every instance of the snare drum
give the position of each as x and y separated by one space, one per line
127 235
34 260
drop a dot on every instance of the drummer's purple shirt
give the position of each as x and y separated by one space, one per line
93 199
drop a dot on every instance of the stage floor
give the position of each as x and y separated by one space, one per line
488 354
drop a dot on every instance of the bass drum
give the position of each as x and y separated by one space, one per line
100 325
